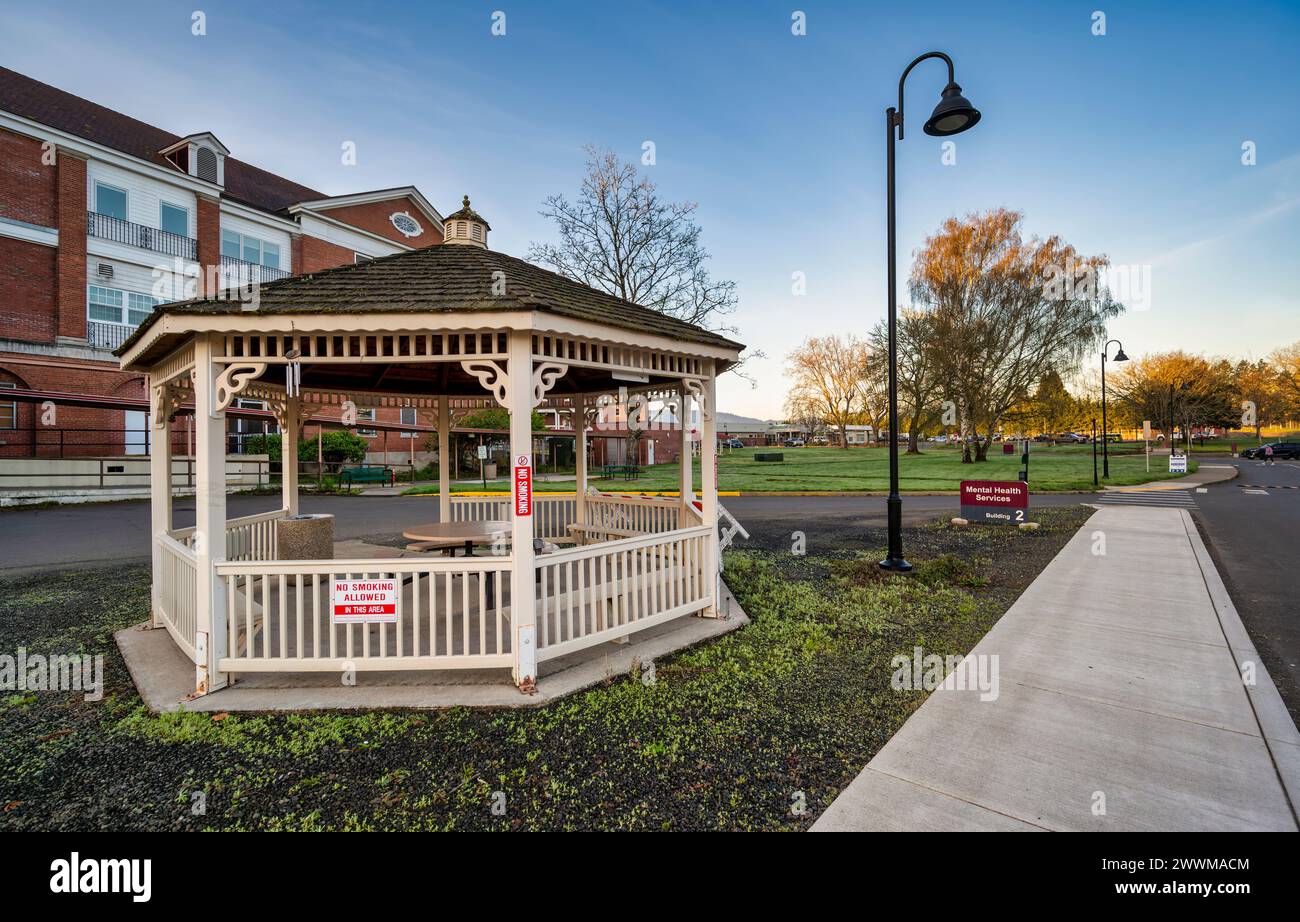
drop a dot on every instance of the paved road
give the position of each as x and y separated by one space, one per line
104 533
1254 538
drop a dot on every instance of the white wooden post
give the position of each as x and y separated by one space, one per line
580 457
289 454
209 520
160 489
444 460
709 484
687 484
522 595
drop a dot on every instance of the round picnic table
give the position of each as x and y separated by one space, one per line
448 536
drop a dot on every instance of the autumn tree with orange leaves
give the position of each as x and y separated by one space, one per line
1005 311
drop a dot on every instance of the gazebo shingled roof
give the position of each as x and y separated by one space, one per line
442 278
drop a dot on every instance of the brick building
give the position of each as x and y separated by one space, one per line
103 217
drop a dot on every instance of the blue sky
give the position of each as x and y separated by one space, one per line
1127 144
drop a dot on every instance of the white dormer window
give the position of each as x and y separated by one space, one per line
200 155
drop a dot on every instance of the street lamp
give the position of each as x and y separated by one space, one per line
953 115
1105 442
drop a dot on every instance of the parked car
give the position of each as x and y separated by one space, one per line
1042 437
1071 438
939 439
732 443
1110 437
794 443
1281 450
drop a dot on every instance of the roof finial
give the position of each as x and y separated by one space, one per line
465 202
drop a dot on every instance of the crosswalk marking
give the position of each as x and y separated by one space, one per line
1269 486
1168 499
1256 491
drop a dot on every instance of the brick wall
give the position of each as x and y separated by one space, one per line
70 275
374 218
74 431
209 231
27 285
26 185
311 254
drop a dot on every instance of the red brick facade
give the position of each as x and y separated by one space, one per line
43 303
70 275
374 217
26 184
209 230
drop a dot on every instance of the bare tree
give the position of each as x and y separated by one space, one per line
1006 310
620 237
918 372
829 376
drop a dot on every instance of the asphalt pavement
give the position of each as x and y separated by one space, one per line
1252 528
99 534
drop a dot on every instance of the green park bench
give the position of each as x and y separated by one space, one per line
367 474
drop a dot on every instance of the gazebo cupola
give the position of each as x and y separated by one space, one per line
466 227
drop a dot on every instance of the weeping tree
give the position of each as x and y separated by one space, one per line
1004 311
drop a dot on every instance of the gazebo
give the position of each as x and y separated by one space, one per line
437 328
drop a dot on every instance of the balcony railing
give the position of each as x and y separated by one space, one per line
236 272
107 227
107 335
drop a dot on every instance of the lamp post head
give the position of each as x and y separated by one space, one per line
1120 356
953 115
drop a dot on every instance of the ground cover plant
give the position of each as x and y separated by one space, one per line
734 734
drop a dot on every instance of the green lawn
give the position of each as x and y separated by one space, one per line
1064 467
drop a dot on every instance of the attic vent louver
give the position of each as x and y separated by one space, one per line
206 164
105 270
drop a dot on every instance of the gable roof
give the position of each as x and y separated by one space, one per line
443 279
56 108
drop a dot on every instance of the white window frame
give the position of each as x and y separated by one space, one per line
12 406
163 203
413 421
124 309
368 414
126 200
262 244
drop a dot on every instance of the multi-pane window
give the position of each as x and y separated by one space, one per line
110 200
410 417
110 305
174 219
250 249
8 408
367 414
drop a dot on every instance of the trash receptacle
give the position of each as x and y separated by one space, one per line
305 537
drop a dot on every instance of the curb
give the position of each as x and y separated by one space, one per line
1278 731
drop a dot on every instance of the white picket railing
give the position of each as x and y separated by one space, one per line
594 594
643 514
553 513
253 537
452 613
178 592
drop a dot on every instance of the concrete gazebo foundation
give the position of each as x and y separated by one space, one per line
441 329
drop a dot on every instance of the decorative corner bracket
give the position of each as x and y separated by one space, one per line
544 377
233 381
492 377
694 387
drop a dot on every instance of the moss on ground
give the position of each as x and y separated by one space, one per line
730 734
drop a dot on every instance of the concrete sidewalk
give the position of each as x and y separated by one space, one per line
1119 680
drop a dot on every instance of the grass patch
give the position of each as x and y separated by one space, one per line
1051 468
729 735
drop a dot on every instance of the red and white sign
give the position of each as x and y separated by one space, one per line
363 601
523 485
1003 501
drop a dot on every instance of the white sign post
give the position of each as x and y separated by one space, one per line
1146 442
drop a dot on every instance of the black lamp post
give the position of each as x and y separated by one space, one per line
953 115
1105 441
